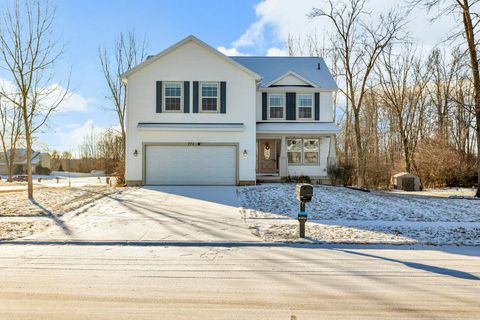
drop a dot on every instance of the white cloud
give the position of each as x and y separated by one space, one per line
277 52
231 51
73 102
278 19
72 135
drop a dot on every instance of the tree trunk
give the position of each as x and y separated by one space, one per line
11 164
478 154
472 49
360 155
29 165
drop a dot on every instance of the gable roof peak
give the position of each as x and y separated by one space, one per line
190 38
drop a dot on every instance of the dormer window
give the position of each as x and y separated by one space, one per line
276 106
305 106
173 96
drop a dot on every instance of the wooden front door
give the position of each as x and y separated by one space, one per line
267 156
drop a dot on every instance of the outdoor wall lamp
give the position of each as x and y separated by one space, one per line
245 152
135 153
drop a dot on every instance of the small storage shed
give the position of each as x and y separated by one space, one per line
406 181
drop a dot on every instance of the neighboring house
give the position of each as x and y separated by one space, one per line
198 117
21 160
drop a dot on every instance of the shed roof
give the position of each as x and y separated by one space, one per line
404 174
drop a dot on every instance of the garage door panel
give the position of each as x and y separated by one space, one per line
190 165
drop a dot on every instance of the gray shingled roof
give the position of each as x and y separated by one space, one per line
272 68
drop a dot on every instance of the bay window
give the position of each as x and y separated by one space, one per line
303 151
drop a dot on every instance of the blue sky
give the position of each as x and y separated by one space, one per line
259 27
84 25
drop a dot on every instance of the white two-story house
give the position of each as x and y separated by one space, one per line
198 117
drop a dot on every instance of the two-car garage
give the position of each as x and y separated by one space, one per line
191 164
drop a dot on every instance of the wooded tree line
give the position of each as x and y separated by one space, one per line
402 109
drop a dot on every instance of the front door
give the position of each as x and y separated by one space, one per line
267 157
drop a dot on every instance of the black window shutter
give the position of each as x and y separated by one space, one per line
186 96
264 106
317 106
195 96
223 97
291 106
159 96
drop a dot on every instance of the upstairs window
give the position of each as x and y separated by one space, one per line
173 96
276 103
305 106
209 96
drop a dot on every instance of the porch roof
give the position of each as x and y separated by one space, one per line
297 127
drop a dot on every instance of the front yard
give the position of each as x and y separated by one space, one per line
20 217
342 215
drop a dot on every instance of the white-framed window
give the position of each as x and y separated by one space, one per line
172 97
276 106
304 106
209 97
303 151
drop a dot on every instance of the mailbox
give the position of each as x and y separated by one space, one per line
304 192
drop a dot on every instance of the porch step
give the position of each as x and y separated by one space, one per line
268 178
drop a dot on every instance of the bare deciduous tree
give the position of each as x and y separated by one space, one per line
359 45
10 133
403 80
443 74
469 12
128 52
28 52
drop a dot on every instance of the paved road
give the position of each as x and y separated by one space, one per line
237 282
190 256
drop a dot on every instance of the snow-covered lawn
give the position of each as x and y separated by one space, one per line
55 201
51 181
10 230
20 217
440 192
343 215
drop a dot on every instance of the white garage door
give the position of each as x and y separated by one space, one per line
190 165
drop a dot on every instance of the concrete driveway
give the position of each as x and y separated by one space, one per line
156 214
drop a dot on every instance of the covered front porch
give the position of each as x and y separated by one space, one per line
286 150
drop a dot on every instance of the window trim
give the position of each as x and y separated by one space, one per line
200 109
302 163
164 105
284 105
312 107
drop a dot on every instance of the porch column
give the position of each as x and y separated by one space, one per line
283 165
332 154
